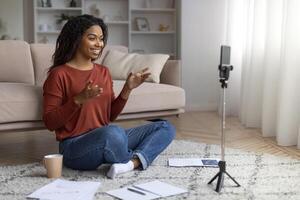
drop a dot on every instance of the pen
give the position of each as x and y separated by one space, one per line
136 191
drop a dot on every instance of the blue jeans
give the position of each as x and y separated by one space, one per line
113 144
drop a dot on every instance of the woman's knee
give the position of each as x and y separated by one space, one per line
116 148
115 135
169 129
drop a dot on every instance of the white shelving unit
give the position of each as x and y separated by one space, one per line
46 29
120 16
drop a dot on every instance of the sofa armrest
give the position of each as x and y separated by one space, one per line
171 73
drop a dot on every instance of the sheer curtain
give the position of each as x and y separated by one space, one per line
265 40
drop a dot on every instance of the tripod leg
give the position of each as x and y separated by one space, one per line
212 180
220 182
238 185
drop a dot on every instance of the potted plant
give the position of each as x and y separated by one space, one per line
63 18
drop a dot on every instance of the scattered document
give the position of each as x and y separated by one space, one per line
193 162
146 191
66 190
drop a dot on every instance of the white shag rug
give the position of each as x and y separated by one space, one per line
261 176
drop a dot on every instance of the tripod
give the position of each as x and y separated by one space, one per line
224 75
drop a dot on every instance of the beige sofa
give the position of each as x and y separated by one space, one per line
23 69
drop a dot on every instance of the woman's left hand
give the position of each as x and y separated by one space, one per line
136 79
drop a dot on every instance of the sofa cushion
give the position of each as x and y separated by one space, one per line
20 102
152 97
15 64
120 64
109 48
42 58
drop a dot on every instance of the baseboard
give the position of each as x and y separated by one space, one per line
206 107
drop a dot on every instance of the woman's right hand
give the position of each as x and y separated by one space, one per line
90 91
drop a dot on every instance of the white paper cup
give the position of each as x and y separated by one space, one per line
53 165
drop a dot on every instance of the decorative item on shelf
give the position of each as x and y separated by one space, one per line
5 37
44 27
44 40
142 24
148 3
73 3
163 27
173 4
62 19
44 3
118 17
49 3
3 30
94 10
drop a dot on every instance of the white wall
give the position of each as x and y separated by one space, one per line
11 15
202 33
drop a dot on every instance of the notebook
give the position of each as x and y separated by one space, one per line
146 191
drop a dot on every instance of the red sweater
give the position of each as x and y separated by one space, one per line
60 113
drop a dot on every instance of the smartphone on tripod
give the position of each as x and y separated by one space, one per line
224 70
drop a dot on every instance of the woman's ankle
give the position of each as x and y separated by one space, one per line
136 162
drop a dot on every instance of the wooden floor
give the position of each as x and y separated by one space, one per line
31 146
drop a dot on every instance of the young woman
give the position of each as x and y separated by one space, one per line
79 104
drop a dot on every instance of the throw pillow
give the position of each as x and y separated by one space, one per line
120 64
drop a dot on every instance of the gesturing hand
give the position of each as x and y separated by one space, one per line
90 91
136 79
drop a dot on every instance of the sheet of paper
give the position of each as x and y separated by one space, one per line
193 162
64 190
126 194
160 188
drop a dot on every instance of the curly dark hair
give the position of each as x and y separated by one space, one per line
70 37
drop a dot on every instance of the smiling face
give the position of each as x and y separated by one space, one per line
91 43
